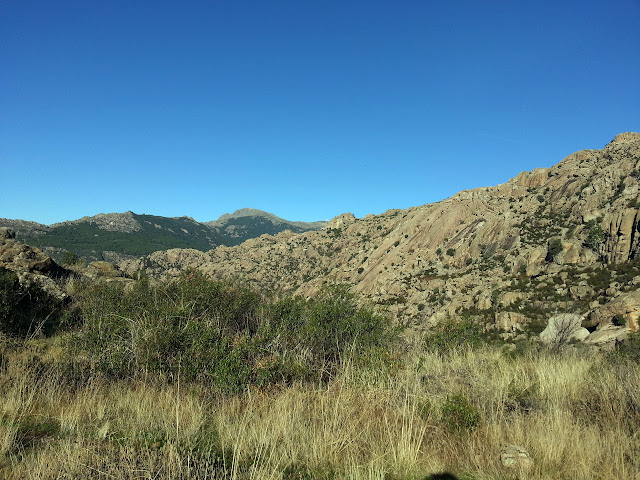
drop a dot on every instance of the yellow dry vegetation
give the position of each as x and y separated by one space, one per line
576 413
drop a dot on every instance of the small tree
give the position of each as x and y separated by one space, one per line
554 249
70 258
595 235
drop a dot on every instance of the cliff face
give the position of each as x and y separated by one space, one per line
466 253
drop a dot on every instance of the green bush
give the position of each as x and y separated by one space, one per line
26 309
521 397
222 334
70 258
595 235
554 249
336 326
619 320
458 414
629 348
453 335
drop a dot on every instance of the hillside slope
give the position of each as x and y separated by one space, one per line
119 236
554 239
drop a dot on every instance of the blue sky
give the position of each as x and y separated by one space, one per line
306 109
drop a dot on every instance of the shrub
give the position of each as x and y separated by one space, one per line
452 335
521 397
336 326
222 333
451 252
629 348
554 249
25 309
70 258
184 325
619 320
458 414
595 236
570 231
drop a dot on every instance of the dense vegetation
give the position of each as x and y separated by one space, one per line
88 240
194 378
26 309
223 334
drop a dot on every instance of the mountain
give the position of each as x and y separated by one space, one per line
250 223
120 236
559 239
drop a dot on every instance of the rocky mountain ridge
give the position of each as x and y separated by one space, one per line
552 240
120 236
254 212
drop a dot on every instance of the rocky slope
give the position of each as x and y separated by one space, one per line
119 236
30 264
559 239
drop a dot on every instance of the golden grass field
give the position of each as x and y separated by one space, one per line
576 412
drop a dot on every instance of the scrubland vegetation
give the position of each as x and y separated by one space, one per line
200 379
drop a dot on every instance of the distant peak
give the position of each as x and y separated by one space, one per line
249 212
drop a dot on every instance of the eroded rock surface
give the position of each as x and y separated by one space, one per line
623 311
30 264
508 252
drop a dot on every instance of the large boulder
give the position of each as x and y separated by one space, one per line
564 328
168 263
19 257
30 264
6 232
510 321
623 311
103 270
516 457
607 336
341 221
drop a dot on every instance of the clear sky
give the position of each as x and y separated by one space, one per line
306 109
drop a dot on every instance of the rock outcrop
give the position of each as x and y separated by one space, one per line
623 311
563 328
117 237
515 457
547 240
31 265
19 257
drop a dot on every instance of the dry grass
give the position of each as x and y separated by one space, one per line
577 414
